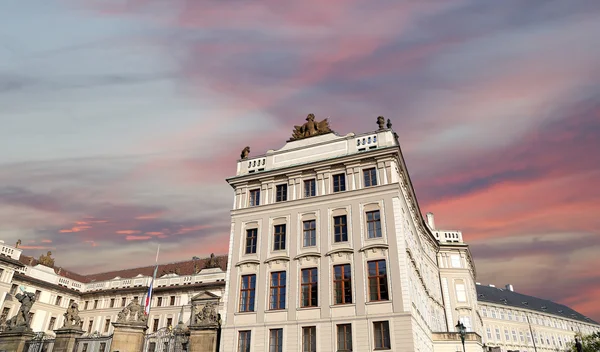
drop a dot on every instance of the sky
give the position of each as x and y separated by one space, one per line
121 119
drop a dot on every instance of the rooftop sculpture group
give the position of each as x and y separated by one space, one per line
310 128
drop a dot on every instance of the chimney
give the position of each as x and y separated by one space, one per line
510 288
430 221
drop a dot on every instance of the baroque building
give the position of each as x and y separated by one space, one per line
328 251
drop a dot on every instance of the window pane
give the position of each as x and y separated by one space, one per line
342 284
310 233
382 335
340 228
309 188
339 182
279 238
251 238
309 289
281 193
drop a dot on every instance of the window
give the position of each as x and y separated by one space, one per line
51 324
1 274
339 182
382 335
95 303
510 316
521 336
309 339
370 176
13 289
279 238
498 334
85 347
276 340
461 294
159 302
455 261
310 188
106 325
247 293
467 323
484 312
71 301
342 283
85 306
340 229
489 333
502 314
112 302
281 193
251 238
373 224
310 287
169 322
493 313
506 336
277 292
344 337
244 341
123 301
90 326
155 325
309 237
5 311
102 347
378 290
254 197
59 301
172 302
38 293
514 335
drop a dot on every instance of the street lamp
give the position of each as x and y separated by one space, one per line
463 332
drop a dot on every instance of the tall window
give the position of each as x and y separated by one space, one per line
172 303
254 197
159 302
86 304
310 287
370 176
90 326
277 291
489 333
244 341
112 303
310 188
251 238
169 322
461 294
378 288
95 303
13 289
51 324
279 238
344 337
382 335
340 229
276 340
281 193
309 339
309 236
123 301
339 182
342 282
106 325
373 224
155 326
59 300
38 293
455 261
247 293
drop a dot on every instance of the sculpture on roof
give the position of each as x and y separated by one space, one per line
47 259
72 319
245 153
310 128
172 271
18 243
381 122
212 262
132 313
22 320
389 123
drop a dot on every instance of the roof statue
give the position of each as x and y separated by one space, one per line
310 129
212 262
18 243
47 259
245 153
389 123
381 122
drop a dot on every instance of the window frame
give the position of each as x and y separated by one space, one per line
312 231
375 222
339 227
254 197
278 292
346 329
371 181
312 190
345 283
249 239
378 278
249 302
244 345
279 238
341 186
380 337
279 340
281 192
312 339
312 285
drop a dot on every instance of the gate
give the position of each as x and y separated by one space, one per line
93 343
166 340
40 343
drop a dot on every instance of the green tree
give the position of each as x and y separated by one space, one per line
590 343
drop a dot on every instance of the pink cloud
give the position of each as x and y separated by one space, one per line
127 232
137 238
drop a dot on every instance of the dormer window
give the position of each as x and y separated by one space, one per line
254 197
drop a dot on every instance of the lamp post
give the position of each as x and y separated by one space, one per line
463 332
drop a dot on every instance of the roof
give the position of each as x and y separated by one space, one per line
518 300
182 268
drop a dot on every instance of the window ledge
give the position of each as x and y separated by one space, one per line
378 302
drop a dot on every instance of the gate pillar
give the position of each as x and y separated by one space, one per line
128 336
65 339
203 338
14 341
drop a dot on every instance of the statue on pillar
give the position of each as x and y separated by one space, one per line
72 319
132 313
22 320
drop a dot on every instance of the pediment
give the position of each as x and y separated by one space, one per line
205 296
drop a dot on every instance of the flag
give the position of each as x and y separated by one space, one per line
149 294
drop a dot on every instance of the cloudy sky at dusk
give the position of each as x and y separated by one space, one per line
121 119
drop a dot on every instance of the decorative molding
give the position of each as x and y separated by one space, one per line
284 258
247 262
375 246
339 251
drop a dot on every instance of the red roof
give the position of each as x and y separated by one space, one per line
182 268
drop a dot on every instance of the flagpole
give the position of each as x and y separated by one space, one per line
151 287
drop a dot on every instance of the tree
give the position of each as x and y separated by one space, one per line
590 343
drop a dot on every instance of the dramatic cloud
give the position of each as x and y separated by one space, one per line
118 136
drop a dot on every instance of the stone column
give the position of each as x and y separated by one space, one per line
65 339
203 338
128 336
14 341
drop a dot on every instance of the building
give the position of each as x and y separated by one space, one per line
328 251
